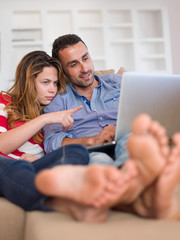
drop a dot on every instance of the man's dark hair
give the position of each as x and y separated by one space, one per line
63 42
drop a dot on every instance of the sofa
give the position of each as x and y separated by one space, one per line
17 224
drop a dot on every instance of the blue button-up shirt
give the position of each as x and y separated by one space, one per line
101 111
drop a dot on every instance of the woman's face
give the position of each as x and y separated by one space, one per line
46 85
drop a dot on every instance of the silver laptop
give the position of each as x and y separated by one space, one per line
155 94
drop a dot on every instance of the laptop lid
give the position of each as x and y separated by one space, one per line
155 94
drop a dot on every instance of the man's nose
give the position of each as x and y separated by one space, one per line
83 67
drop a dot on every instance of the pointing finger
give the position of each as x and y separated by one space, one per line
73 110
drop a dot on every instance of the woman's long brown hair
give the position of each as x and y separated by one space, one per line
24 105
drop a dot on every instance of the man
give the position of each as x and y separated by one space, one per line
95 124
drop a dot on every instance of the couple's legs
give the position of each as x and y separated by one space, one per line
148 193
147 155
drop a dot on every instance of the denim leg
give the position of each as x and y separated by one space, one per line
17 176
17 184
100 158
74 154
121 152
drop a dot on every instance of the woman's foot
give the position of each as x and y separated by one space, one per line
93 185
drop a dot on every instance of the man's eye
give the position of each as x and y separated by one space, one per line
73 65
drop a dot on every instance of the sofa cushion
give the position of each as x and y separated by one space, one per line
56 226
104 72
12 221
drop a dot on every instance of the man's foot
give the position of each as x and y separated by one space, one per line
159 200
165 202
143 124
148 148
94 185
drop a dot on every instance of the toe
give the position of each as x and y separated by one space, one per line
141 124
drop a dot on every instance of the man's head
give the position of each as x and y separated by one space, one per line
75 59
65 41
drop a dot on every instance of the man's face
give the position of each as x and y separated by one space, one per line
77 65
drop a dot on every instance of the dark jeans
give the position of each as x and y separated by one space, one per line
17 176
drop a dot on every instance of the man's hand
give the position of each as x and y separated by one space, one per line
106 135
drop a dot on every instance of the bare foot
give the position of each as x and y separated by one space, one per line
148 148
143 124
129 172
165 202
159 200
78 211
94 185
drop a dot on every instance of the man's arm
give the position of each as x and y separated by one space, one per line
106 135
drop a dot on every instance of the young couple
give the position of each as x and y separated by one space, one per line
144 185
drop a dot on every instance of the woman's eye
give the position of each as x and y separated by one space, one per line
45 82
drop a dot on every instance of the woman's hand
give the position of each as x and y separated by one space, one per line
62 117
28 157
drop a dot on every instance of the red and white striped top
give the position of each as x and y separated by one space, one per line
29 147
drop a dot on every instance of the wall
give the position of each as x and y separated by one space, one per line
9 5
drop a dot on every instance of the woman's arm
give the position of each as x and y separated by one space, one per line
16 137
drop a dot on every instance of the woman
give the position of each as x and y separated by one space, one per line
38 79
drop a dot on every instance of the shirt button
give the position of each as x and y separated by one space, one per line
101 118
114 99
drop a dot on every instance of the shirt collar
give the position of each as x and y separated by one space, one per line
99 80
